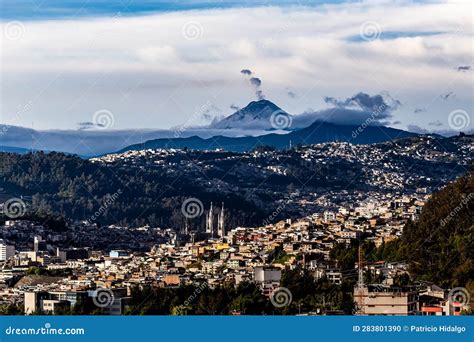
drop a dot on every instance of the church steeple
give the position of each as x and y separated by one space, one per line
220 223
209 222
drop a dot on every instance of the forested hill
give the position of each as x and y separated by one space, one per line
149 187
76 188
440 245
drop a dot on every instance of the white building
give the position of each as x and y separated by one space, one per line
6 251
268 278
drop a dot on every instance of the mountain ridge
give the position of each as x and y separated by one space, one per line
61 183
318 132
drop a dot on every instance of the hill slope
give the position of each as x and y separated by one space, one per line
440 246
152 185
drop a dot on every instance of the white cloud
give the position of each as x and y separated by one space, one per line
149 74
164 54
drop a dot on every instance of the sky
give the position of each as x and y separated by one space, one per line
85 65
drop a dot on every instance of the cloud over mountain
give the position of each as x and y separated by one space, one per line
148 74
355 110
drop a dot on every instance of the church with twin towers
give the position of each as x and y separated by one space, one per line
211 227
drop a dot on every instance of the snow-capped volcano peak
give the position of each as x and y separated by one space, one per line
261 114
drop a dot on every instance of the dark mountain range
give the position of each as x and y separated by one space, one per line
318 132
13 149
148 187
259 123
257 114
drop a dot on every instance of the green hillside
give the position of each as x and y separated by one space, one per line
440 245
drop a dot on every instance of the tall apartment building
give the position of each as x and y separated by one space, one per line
6 251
